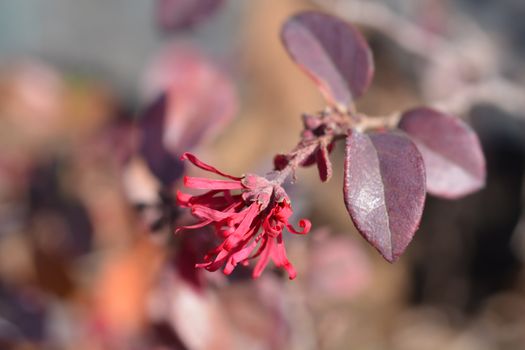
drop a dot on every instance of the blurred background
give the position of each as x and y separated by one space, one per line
89 169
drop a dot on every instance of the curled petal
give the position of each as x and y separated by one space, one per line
273 231
198 163
205 184
305 224
284 212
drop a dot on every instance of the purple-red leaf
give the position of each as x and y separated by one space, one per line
181 14
165 165
332 52
384 189
201 99
454 161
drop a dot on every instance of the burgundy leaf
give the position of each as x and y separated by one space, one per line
332 52
165 165
454 162
384 189
120 138
182 14
201 99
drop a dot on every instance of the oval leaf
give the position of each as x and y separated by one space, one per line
332 52
384 189
181 14
165 165
454 161
201 99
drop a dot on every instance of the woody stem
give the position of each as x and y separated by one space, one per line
300 153
305 149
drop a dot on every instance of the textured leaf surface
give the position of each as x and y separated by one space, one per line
384 189
181 14
454 161
332 52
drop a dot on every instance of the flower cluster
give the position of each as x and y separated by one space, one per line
248 214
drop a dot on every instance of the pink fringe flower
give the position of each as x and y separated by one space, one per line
249 221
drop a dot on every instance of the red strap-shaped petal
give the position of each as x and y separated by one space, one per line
266 250
208 184
192 227
203 212
238 257
281 260
250 214
198 163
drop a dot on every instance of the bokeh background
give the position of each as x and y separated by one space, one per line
88 259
